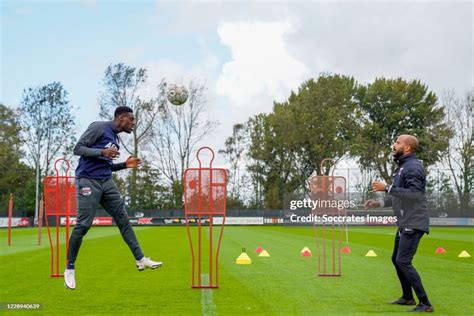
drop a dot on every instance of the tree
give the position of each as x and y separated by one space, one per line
10 141
235 154
150 193
460 152
122 85
15 176
325 112
392 107
48 126
288 144
256 129
177 132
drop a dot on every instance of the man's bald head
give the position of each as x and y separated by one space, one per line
409 140
405 144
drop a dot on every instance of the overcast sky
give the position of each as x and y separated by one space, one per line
249 54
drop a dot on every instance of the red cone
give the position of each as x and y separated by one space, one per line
346 250
440 250
307 254
259 250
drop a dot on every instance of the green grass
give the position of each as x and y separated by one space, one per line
285 283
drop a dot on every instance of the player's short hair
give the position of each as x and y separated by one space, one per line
122 109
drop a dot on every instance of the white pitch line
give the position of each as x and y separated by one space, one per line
207 304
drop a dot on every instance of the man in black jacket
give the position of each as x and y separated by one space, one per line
407 197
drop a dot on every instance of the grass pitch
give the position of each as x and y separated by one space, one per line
285 283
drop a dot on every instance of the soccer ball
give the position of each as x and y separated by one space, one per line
177 95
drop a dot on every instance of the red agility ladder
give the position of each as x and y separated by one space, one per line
59 200
205 195
326 190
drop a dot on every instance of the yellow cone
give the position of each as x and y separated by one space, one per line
371 253
464 254
243 259
264 254
305 249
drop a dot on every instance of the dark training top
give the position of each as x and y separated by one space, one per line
92 165
407 194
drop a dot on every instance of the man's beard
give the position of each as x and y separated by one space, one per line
397 154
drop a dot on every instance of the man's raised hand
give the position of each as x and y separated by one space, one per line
110 153
133 162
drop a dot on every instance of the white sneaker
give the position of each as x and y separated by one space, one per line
146 263
70 279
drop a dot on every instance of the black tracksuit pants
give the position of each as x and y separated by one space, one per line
91 193
406 244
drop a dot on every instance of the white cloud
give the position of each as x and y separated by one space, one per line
261 69
430 41
203 16
174 72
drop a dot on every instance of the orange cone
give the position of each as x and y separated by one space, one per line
346 250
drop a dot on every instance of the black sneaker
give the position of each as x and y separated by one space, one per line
420 308
404 301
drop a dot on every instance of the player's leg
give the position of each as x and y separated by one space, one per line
409 241
88 197
407 294
115 206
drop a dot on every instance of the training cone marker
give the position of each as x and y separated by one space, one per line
243 259
346 250
464 254
307 254
264 253
440 250
305 249
371 253
259 250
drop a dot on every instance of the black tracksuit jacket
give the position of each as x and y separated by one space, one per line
407 194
